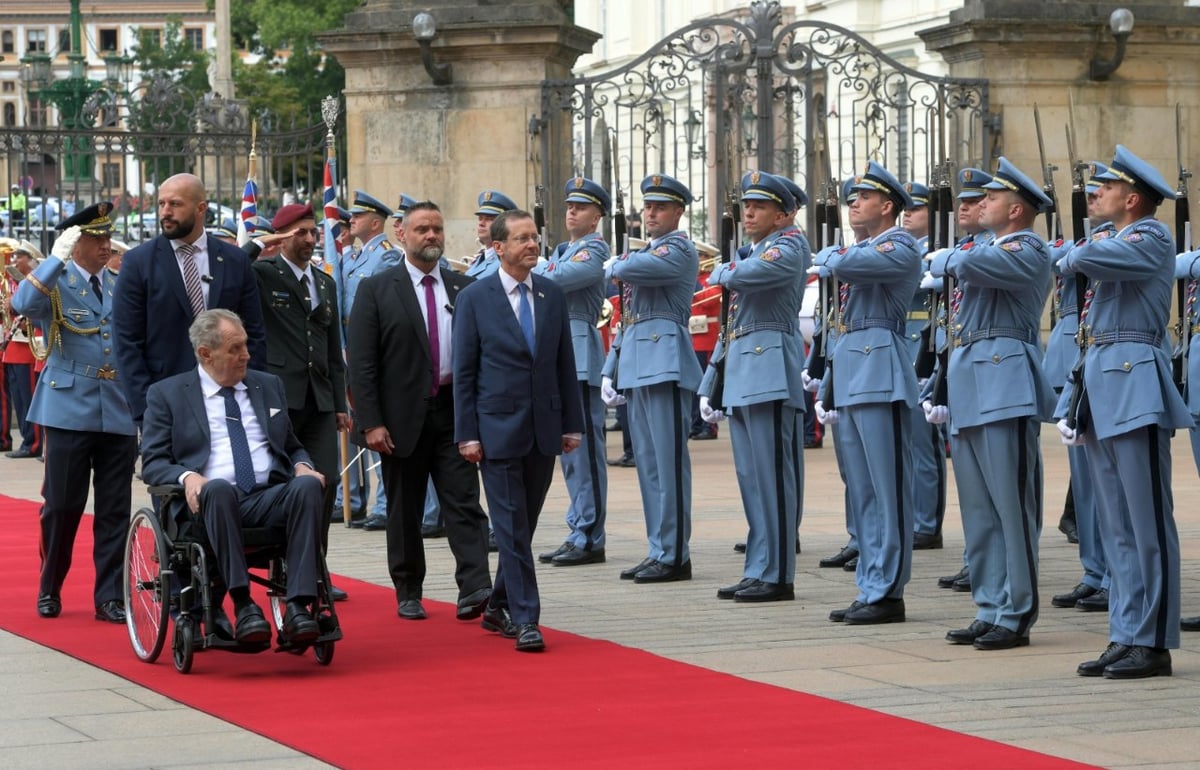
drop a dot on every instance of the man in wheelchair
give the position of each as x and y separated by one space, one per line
222 432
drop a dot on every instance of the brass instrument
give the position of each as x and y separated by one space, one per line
606 314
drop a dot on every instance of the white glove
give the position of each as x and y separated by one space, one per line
611 261
814 270
65 243
708 414
808 383
929 283
825 417
608 395
935 415
1070 436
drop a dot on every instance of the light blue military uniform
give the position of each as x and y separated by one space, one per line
1187 268
874 388
578 268
491 203
998 395
1135 408
763 353
659 372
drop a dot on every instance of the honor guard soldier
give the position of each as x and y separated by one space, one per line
1062 351
368 215
79 402
874 386
1135 409
763 352
998 397
491 204
406 202
578 268
654 363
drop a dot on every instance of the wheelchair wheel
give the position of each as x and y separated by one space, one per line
184 644
323 652
147 586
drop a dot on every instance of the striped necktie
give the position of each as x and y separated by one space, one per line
191 277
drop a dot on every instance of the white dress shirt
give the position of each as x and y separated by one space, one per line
220 459
313 299
514 294
444 321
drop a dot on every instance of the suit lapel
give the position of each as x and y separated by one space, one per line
409 301
193 396
504 308
541 314
216 268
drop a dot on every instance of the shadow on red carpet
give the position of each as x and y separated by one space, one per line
445 694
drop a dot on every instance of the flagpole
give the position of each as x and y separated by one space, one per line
250 191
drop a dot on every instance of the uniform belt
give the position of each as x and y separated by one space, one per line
106 372
576 316
1025 335
1108 338
872 323
649 316
757 326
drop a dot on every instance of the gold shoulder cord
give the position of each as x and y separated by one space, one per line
54 332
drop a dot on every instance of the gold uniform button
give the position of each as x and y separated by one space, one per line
996 359
53 383
654 337
758 349
103 321
1127 366
108 351
105 335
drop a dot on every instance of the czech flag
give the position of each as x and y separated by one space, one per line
249 211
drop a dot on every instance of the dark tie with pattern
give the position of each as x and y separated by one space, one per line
431 326
526 316
191 277
304 289
95 282
243 465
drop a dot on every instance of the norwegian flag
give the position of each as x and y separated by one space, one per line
332 228
249 211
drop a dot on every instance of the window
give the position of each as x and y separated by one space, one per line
108 41
9 87
111 176
150 38
195 37
7 43
64 41
10 114
37 112
35 41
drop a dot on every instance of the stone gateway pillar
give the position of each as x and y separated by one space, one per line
447 142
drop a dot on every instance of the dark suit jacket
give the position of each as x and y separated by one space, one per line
175 436
387 350
505 397
303 347
151 313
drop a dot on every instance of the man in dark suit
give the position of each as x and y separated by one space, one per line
517 406
223 433
166 282
400 373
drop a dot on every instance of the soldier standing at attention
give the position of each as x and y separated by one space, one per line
491 204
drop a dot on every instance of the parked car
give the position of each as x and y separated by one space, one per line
40 213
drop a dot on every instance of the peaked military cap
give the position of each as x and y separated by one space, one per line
406 203
919 194
796 191
222 231
343 215
1009 177
261 224
849 194
494 203
1094 169
92 221
878 178
366 204
971 183
1127 167
761 186
582 190
663 189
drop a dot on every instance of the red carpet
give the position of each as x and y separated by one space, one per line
441 693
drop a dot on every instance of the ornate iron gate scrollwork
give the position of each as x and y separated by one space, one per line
805 99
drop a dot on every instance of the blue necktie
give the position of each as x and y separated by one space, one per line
243 465
526 316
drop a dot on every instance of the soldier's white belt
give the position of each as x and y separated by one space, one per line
872 323
1108 338
106 372
1025 335
775 326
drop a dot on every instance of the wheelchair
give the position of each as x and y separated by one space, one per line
170 573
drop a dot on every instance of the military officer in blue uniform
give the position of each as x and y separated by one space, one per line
90 433
1062 351
1187 268
491 204
998 396
1135 409
577 266
762 353
368 216
874 386
654 363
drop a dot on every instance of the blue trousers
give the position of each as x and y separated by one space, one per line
516 489
586 475
851 527
1087 522
928 474
768 466
19 379
658 421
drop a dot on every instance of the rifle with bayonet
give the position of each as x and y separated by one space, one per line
927 352
828 208
940 394
1079 408
1183 243
620 246
729 246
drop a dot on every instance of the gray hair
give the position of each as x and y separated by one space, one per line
205 331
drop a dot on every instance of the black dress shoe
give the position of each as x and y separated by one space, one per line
885 611
851 566
374 523
963 584
1190 624
411 609
624 461
529 638
548 556
471 606
631 573
1114 652
664 573
927 541
949 580
336 594
1097 602
298 625
430 531
19 454
496 620
357 523
1068 600
1000 638
252 627
49 606
969 634
739 547
1068 528
838 616
704 435
573 557
766 592
1139 663
221 625
814 444
728 591
112 611
840 558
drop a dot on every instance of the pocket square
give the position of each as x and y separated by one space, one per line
272 412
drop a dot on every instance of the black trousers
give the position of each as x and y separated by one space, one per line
72 459
317 433
457 483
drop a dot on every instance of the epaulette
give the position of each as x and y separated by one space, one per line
386 245
898 236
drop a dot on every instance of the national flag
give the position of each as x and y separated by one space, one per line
332 228
249 211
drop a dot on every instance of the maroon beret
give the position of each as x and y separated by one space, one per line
290 215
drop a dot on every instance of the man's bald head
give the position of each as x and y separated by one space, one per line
182 201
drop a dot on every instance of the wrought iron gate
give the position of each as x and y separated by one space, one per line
807 100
